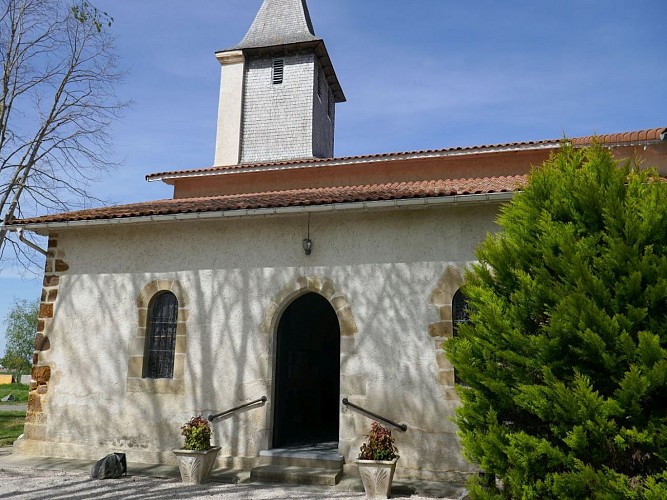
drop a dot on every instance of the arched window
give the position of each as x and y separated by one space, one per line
460 315
161 340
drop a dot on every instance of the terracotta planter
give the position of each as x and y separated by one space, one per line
196 466
377 476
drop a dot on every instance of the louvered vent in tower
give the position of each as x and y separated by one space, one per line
278 70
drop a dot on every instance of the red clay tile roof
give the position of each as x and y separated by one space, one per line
293 198
623 138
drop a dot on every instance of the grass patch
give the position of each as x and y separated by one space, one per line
11 426
20 392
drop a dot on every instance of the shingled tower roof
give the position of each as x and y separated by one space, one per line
283 25
279 22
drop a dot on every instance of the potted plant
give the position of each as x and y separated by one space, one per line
197 457
377 462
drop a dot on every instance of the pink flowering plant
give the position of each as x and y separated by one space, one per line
379 446
197 434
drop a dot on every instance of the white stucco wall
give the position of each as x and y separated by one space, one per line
386 265
230 108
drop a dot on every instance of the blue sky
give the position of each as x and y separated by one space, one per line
417 74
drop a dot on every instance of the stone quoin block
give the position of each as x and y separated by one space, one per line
41 374
51 280
440 329
34 403
61 266
446 377
42 343
45 310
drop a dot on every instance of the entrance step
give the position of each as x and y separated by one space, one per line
315 464
290 474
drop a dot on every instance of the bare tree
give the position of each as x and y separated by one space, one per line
57 101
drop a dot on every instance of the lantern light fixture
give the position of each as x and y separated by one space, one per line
307 243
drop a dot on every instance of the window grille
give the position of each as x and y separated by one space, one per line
161 329
460 315
278 70
318 81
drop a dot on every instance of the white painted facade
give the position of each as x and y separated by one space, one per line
230 108
238 276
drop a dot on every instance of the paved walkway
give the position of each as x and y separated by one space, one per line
33 478
13 407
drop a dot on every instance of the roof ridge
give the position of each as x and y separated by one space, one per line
655 134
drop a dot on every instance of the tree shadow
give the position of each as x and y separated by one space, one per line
386 263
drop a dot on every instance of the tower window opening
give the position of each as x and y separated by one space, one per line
318 82
330 108
278 70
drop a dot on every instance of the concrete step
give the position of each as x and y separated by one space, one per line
292 474
318 459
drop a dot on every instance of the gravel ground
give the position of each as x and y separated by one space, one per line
38 484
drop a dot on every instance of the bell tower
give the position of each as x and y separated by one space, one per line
278 90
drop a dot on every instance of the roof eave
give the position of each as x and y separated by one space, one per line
316 44
169 177
396 204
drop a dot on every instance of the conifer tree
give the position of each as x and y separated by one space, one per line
565 358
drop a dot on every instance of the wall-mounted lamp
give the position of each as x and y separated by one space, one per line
307 243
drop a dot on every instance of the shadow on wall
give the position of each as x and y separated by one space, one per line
387 277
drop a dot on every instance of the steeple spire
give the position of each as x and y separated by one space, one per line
279 22
278 90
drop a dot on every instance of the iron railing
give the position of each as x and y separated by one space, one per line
263 399
402 427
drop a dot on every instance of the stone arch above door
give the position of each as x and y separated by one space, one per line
351 385
306 384
306 284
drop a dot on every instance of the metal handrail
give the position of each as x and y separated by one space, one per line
402 427
263 399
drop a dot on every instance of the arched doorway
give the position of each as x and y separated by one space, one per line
307 384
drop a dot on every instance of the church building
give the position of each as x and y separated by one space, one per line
310 290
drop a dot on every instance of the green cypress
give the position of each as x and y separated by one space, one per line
565 357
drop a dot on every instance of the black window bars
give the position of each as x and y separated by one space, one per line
162 336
